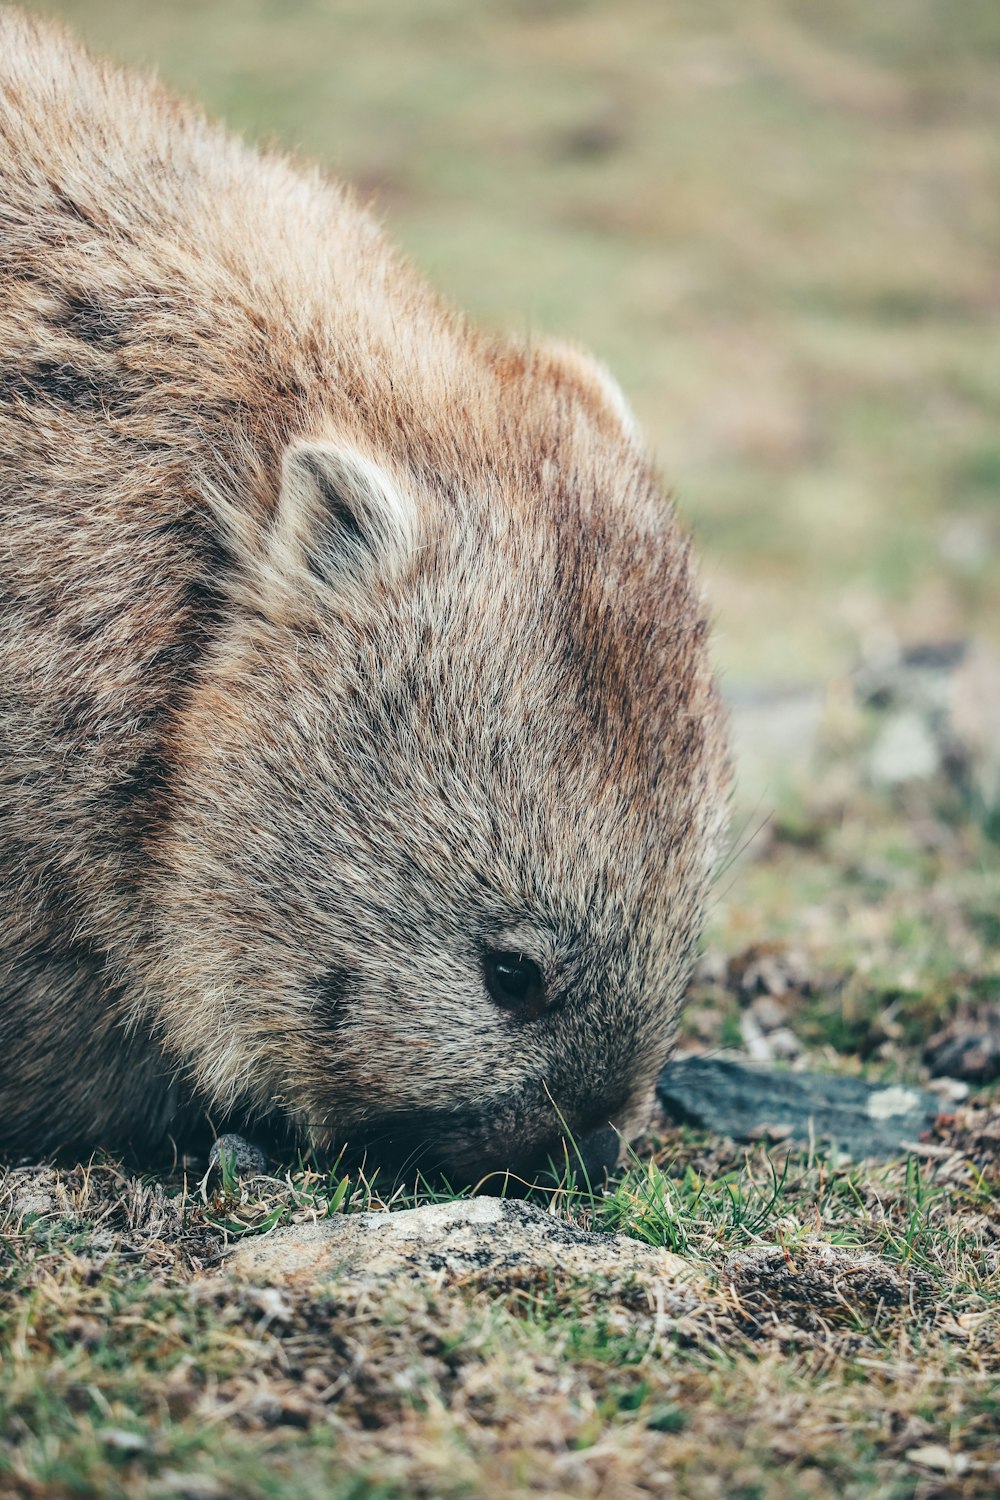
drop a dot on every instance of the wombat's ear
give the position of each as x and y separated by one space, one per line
594 379
340 516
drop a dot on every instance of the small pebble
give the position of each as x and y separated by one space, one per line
784 1044
246 1159
951 1090
936 1456
769 1013
124 1441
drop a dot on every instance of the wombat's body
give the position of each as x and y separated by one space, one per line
359 757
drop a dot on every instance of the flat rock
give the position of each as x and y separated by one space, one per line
474 1241
772 726
940 713
747 1102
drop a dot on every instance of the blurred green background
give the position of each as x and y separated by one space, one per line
778 221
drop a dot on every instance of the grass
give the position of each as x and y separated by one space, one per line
777 222
131 1367
130 1371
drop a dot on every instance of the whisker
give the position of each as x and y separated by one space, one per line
412 1158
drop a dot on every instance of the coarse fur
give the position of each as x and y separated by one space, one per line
341 646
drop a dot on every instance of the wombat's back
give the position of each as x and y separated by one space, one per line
172 307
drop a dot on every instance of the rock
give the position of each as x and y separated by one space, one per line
922 716
490 1242
918 676
32 1192
746 1102
36 1204
245 1159
941 708
904 750
769 1013
754 1040
784 1044
123 1440
935 1456
764 1045
950 1091
967 1050
770 971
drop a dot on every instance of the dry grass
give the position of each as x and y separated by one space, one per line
799 1370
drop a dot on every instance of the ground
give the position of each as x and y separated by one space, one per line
130 1368
780 227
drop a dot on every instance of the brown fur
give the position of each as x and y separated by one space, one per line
340 644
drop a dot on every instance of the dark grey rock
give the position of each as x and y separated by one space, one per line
748 1102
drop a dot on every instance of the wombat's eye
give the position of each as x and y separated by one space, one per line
516 983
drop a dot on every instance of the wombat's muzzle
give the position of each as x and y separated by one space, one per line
482 1153
586 1158
598 1153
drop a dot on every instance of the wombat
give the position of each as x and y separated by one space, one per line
361 764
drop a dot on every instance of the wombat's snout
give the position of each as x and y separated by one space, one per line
483 1151
599 1152
586 1158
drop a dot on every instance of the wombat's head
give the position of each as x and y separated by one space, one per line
447 796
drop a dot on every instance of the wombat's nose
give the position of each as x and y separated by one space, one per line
599 1152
